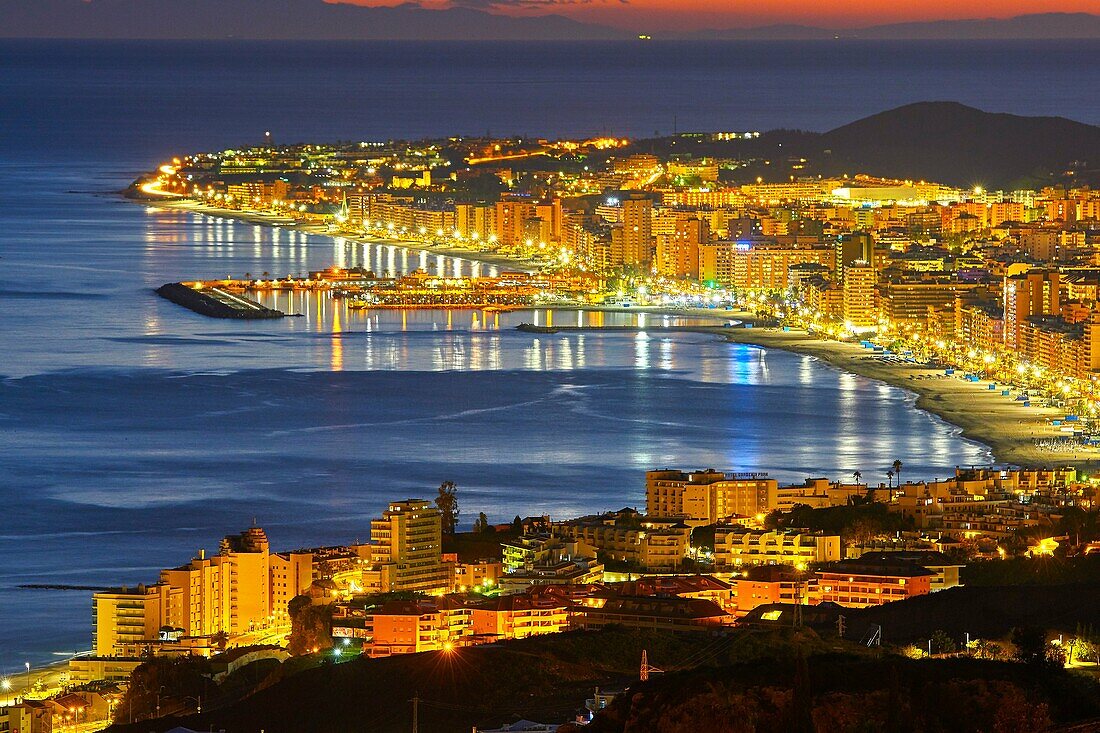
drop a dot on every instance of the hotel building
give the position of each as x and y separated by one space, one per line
124 616
708 496
735 546
407 550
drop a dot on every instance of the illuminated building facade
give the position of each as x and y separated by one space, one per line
708 496
735 546
407 550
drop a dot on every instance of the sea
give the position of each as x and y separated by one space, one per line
134 433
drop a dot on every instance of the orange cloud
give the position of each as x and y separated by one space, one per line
697 14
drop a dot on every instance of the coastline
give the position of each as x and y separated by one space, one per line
252 217
1007 428
982 415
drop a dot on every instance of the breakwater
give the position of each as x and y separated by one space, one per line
216 303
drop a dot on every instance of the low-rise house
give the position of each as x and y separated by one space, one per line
859 583
404 627
706 587
628 537
27 716
770 584
653 612
737 546
518 616
945 570
556 561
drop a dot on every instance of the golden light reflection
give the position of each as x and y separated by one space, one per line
337 360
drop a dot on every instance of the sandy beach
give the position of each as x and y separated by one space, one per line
984 415
1008 428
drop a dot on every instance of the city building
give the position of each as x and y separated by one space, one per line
26 716
407 550
708 496
241 589
549 561
769 584
123 616
655 613
859 583
518 616
858 296
945 570
627 537
636 247
405 627
736 546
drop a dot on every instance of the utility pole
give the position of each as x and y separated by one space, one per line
643 674
416 712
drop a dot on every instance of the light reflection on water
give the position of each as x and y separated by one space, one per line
129 413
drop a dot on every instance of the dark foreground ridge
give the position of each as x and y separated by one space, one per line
783 679
216 303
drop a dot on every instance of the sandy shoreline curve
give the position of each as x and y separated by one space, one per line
983 415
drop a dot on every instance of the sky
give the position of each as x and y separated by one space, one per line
699 14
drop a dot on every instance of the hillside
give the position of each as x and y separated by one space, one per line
277 19
989 613
545 677
1030 26
951 143
842 693
945 142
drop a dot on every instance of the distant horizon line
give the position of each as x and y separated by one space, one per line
320 20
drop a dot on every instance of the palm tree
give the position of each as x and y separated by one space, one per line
890 479
857 475
897 470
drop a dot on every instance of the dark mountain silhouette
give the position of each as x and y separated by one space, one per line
949 142
1039 25
277 19
1033 26
319 20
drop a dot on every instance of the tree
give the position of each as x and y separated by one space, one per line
481 524
1031 644
158 686
942 643
897 470
857 475
310 626
1086 644
447 503
890 479
517 525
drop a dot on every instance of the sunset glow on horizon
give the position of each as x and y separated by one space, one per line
701 14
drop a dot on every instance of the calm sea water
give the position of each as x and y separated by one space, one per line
133 433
